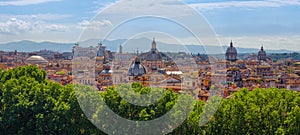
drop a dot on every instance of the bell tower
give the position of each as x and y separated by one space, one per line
153 45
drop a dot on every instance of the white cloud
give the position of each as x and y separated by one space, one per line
130 12
56 27
34 17
14 26
95 25
17 26
24 2
244 4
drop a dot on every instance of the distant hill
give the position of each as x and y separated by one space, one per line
142 44
29 46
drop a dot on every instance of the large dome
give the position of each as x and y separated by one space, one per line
262 55
36 60
136 68
231 53
154 54
262 51
231 49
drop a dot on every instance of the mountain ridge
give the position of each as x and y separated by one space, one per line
132 45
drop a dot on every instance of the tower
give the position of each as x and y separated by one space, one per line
120 49
153 45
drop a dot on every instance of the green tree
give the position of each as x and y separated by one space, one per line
31 104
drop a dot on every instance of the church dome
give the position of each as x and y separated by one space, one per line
136 68
36 60
262 55
231 53
262 51
153 54
231 49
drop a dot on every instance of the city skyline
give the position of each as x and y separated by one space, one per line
149 67
270 23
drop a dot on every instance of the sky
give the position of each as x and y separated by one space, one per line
273 24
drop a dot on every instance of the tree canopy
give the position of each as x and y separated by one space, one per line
31 104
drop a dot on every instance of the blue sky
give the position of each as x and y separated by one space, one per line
271 23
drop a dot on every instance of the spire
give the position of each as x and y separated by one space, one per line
153 44
121 49
262 48
231 44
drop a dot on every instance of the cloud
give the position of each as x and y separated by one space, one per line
24 2
150 7
244 4
56 27
95 25
15 26
41 17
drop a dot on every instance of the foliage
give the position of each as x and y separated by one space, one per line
61 73
262 111
30 104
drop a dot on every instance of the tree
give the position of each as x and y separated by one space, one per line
31 104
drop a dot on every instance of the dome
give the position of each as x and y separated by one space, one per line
262 55
231 49
231 53
154 54
261 52
36 60
136 68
